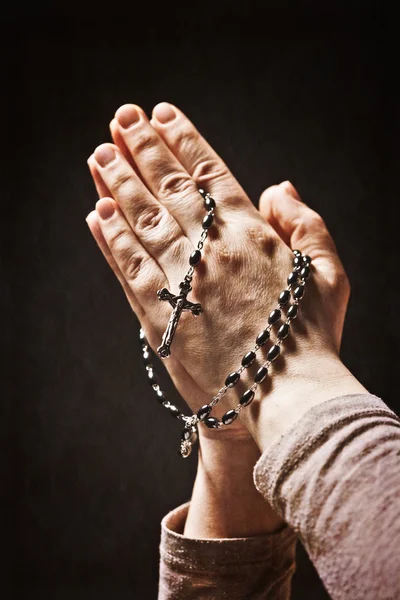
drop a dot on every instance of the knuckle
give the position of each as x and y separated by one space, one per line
339 281
150 218
174 184
131 261
209 168
118 240
307 222
122 182
186 138
133 267
260 235
144 141
315 219
231 257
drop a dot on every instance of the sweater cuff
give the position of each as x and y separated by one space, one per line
259 563
310 432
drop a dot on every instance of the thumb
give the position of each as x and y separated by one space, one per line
296 223
302 228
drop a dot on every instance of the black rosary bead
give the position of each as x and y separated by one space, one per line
229 417
273 353
186 434
208 221
232 379
248 359
146 360
142 338
172 409
263 337
292 311
261 374
161 396
298 261
305 273
247 398
212 423
195 258
204 411
284 298
274 316
299 292
301 272
292 279
209 203
153 379
283 331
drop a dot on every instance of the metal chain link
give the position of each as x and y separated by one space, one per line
192 421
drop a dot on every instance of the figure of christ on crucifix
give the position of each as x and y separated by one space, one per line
179 304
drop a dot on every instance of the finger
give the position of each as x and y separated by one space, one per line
160 170
153 225
100 186
204 165
95 229
298 225
140 271
119 141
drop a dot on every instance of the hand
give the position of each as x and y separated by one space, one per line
151 223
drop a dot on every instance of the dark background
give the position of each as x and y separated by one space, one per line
305 93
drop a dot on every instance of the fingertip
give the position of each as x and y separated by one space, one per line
105 208
91 163
269 191
91 217
267 195
289 188
114 130
105 154
128 115
164 113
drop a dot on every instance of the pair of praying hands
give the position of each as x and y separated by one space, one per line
148 221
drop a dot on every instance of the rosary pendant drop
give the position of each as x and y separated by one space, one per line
188 439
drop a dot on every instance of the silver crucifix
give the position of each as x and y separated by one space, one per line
179 303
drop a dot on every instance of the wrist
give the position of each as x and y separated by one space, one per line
225 502
315 381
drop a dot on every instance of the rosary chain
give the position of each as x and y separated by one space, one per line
297 280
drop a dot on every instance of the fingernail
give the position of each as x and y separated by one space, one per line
90 216
127 115
105 208
164 112
104 155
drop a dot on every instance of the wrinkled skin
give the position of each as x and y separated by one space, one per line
151 185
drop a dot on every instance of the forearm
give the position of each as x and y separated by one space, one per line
225 502
228 542
334 478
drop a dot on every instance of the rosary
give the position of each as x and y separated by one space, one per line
289 298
